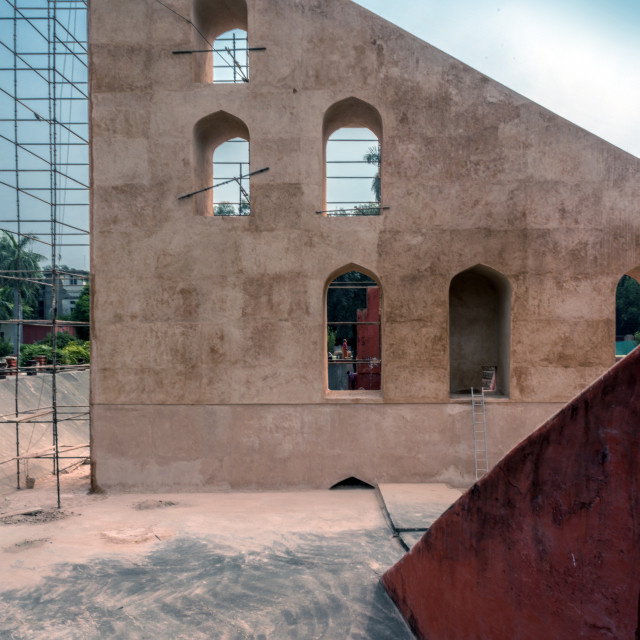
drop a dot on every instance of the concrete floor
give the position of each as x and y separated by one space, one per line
212 565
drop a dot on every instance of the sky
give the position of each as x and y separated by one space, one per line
578 58
33 131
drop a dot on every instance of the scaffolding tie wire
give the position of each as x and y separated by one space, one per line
213 186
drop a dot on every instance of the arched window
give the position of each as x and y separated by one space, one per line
479 331
627 313
231 57
352 138
354 353
223 24
231 178
221 143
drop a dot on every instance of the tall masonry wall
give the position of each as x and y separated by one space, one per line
209 335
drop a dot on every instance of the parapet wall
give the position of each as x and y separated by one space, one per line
548 544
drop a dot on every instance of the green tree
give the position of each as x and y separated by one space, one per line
224 209
20 276
627 306
243 209
331 340
373 157
81 312
369 209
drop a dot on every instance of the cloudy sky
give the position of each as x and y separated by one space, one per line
578 58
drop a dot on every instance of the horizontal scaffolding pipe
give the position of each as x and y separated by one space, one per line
33 412
220 184
182 51
41 452
47 323
356 211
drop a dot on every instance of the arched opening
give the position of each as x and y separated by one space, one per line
212 19
479 331
231 58
352 143
231 178
221 143
351 483
354 350
627 313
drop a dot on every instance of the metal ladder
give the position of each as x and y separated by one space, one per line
479 433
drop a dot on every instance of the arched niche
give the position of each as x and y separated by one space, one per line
358 116
351 112
353 312
479 330
208 133
212 18
627 312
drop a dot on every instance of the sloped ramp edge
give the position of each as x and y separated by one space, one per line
547 545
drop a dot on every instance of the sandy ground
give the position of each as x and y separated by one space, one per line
216 565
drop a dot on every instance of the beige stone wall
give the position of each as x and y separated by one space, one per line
196 315
311 445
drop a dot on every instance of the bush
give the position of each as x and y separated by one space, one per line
62 340
28 351
6 347
69 350
74 352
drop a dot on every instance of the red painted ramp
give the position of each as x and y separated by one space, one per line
548 544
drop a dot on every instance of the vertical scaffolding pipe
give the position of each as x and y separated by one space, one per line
17 332
235 73
53 119
54 75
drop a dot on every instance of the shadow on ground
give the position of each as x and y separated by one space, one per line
307 586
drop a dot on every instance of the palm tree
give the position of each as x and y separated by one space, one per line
20 274
373 157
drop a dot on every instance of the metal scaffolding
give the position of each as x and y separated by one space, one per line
44 182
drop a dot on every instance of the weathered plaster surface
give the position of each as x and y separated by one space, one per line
191 309
233 446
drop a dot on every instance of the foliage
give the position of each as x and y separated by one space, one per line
16 257
6 303
636 337
224 209
331 339
368 209
229 209
69 350
81 312
20 276
29 351
75 352
243 209
6 347
62 339
627 306
373 157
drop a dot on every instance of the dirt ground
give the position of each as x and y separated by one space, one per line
212 565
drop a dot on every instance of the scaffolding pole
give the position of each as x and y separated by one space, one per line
44 73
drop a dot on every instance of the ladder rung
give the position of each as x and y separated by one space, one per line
480 452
